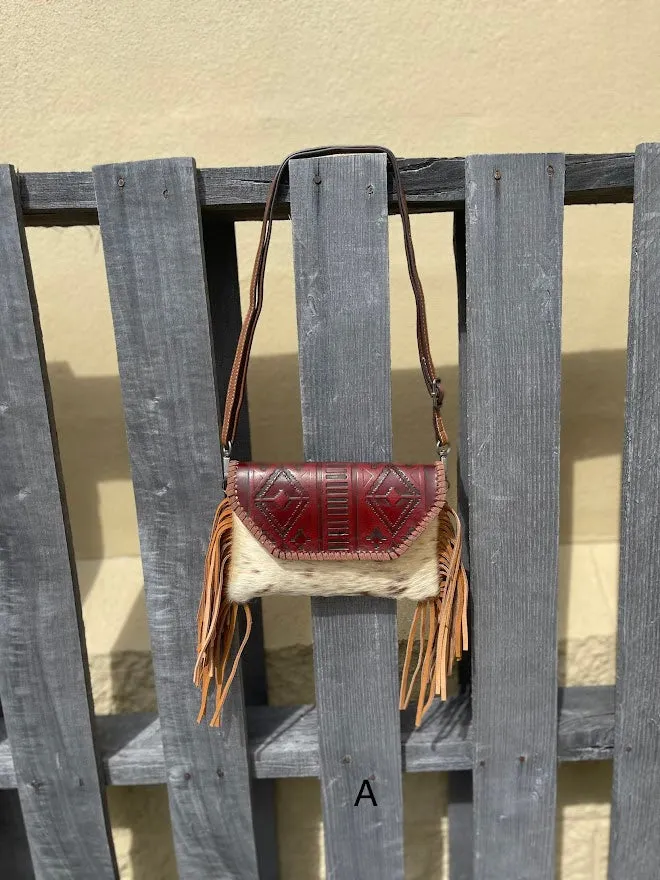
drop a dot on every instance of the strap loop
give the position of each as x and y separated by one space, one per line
238 378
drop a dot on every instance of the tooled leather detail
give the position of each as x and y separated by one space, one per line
336 510
393 498
280 500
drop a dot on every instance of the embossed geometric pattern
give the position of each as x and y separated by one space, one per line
336 510
281 500
393 498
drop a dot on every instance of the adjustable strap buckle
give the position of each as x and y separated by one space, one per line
443 450
436 394
226 458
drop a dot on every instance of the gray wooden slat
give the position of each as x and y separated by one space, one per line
152 240
635 843
58 198
339 220
219 238
44 683
514 213
284 742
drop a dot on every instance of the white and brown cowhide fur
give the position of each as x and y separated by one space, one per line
254 572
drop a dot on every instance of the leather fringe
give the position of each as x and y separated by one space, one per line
439 624
216 619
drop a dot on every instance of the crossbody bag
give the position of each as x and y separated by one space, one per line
334 528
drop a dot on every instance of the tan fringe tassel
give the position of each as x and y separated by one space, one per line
216 618
440 623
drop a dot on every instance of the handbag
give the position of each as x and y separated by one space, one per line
334 528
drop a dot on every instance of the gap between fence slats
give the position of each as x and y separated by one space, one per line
225 314
459 808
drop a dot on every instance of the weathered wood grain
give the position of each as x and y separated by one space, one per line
44 684
221 260
635 842
514 220
339 220
64 198
152 240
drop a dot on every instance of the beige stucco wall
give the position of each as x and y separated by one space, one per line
240 83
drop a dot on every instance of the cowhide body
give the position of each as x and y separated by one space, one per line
254 571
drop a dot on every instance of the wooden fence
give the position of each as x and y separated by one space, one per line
168 239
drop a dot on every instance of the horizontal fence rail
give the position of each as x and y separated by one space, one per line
66 198
283 740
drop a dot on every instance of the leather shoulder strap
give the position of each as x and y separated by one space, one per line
238 378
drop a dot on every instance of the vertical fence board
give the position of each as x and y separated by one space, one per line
514 211
339 216
225 311
152 239
635 843
44 683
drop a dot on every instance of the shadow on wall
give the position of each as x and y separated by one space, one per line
92 439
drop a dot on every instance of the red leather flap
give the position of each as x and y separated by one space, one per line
336 510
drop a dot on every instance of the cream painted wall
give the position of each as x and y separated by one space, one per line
244 83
